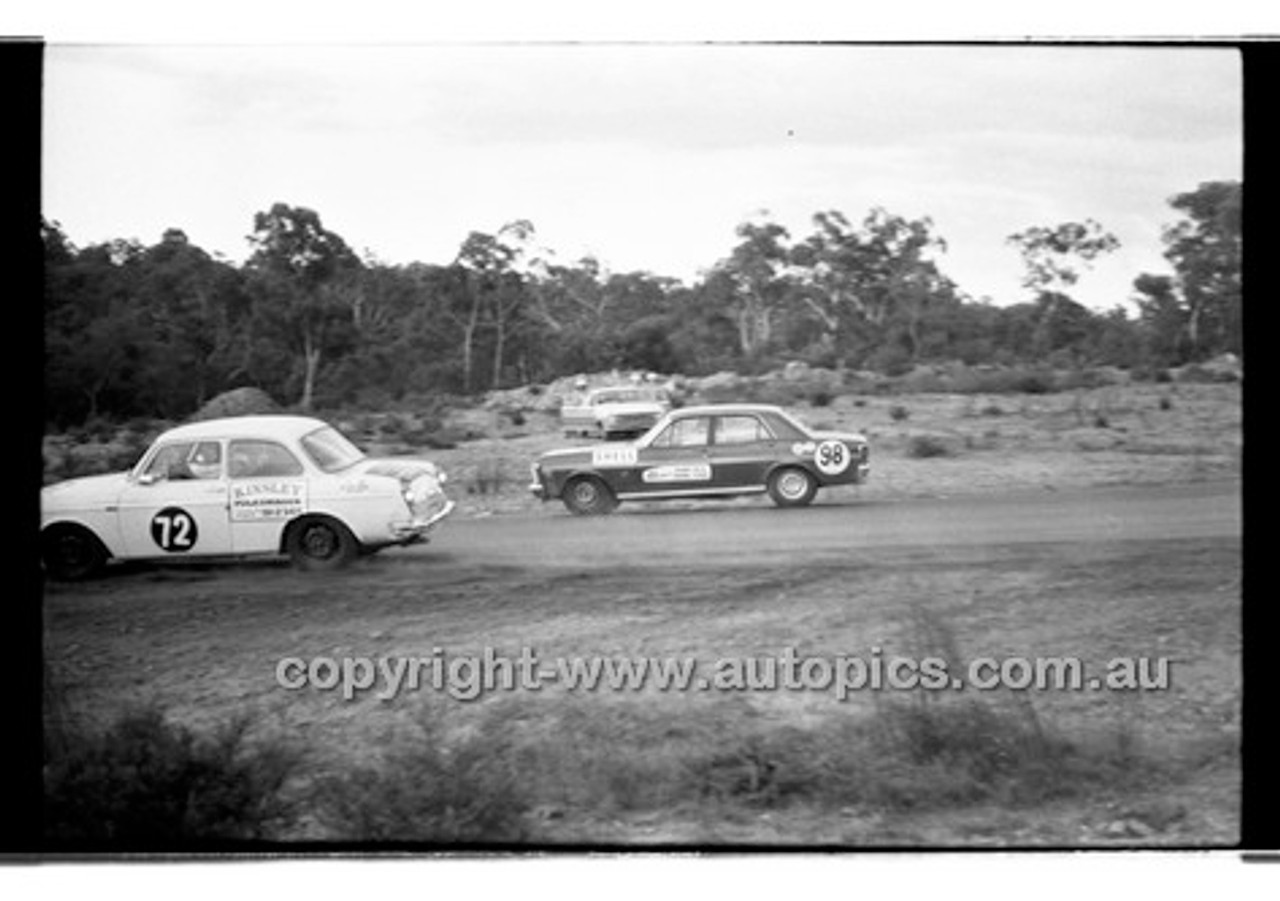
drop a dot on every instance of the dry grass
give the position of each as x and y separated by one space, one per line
1059 768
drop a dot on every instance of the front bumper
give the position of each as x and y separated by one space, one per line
417 529
536 486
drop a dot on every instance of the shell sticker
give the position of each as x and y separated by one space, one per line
613 456
832 457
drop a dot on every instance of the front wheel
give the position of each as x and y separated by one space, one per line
588 496
792 487
321 544
71 553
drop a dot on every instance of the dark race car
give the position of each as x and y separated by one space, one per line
705 452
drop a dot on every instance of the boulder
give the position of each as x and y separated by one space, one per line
237 402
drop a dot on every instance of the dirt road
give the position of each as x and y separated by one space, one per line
719 533
1095 573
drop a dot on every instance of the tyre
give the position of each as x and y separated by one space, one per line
320 544
71 553
792 487
588 496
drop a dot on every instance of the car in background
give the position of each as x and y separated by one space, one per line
240 486
613 412
718 450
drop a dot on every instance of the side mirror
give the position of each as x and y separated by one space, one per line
148 478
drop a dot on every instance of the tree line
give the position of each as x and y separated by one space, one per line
132 330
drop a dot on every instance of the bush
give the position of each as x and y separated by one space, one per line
238 402
1033 383
820 397
898 413
145 783
923 446
489 477
425 790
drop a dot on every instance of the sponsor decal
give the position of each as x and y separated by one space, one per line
359 486
832 457
680 472
613 456
267 500
803 448
174 530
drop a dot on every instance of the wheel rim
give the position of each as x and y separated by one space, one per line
320 542
585 494
72 552
793 485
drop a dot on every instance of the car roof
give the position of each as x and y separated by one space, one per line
273 426
722 409
609 389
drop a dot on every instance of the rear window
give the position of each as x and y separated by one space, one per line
261 459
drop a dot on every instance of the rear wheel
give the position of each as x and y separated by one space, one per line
792 487
320 544
588 496
71 553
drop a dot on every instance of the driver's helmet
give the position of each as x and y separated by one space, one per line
204 464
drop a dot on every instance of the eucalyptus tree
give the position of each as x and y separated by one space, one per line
297 270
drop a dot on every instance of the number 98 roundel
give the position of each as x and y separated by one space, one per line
832 457
174 530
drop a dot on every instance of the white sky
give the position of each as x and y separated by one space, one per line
645 155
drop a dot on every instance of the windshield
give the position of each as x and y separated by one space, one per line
330 450
795 423
627 395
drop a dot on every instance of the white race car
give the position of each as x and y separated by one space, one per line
245 485
614 411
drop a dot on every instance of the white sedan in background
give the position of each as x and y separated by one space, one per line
246 485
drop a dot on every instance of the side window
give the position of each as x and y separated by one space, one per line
740 430
186 460
690 432
261 459
170 462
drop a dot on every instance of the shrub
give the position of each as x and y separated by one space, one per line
922 446
238 402
820 397
146 783
489 477
898 413
1033 383
426 790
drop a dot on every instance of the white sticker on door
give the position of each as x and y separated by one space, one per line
267 500
680 472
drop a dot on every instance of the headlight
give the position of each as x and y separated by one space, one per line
421 489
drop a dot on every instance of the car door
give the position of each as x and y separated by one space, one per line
177 505
676 459
268 488
741 451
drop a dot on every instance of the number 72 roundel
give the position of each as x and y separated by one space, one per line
174 530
